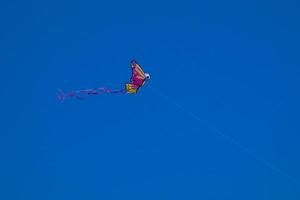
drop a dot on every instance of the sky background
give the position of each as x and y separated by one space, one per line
235 64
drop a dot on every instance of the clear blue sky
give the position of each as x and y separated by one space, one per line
235 64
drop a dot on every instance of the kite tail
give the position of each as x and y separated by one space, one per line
81 94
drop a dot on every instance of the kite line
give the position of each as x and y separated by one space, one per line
225 136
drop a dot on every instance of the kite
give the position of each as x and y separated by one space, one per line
137 80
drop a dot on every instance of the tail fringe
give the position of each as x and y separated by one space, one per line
88 92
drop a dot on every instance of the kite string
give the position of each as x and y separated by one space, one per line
227 137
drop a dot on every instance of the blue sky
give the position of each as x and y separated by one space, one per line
235 64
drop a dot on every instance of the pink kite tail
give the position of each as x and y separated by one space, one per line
78 94
74 94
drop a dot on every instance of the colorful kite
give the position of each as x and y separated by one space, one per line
137 80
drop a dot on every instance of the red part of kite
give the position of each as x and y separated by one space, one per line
138 77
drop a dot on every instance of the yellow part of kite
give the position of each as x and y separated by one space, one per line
130 88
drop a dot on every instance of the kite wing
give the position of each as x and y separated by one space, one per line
137 78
